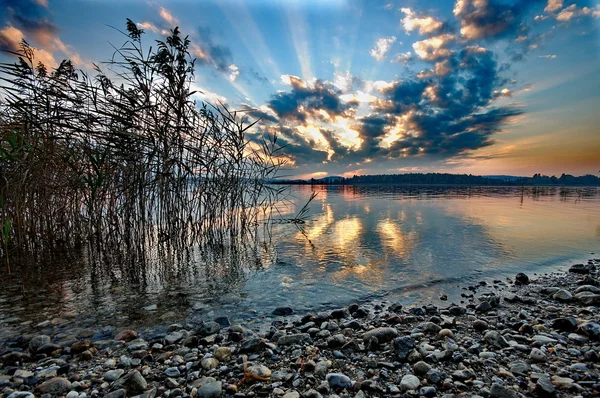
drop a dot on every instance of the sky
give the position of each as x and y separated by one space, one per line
484 87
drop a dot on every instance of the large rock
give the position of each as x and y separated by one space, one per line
259 372
80 346
223 354
37 342
339 381
383 335
566 324
173 338
409 382
134 383
581 269
495 339
499 391
55 386
126 335
521 279
113 375
252 345
283 311
562 295
208 328
544 387
591 329
210 390
294 339
403 346
588 298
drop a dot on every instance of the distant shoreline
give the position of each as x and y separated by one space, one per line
432 185
450 180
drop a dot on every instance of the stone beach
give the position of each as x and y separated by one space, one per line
523 336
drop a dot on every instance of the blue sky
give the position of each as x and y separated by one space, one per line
365 87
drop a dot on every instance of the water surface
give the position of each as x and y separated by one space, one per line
359 242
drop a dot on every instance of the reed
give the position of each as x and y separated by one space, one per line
126 158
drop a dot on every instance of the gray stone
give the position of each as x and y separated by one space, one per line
409 382
495 339
21 394
134 383
499 391
544 387
55 386
113 375
537 355
383 335
172 372
283 311
208 328
37 342
337 340
562 295
173 338
421 368
294 339
403 346
210 390
223 354
338 381
252 345
209 363
120 393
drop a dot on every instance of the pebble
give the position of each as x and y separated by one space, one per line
409 382
501 341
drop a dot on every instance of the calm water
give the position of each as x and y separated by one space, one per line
359 242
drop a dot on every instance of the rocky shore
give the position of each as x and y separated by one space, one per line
510 338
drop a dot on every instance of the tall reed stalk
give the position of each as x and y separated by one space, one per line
126 158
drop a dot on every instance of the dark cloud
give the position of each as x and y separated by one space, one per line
218 55
311 98
257 114
439 116
402 96
371 130
486 19
31 18
249 75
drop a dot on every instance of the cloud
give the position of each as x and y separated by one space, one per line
208 52
10 40
264 113
149 26
29 20
549 56
434 48
553 5
573 11
308 100
502 93
234 72
480 19
567 13
402 58
424 25
168 17
381 47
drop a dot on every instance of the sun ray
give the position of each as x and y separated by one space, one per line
299 32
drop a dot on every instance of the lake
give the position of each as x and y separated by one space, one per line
362 242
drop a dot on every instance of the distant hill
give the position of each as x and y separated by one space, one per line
453 179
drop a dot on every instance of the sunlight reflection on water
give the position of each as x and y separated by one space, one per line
410 243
